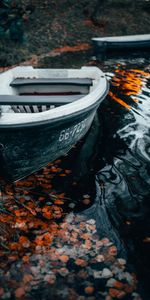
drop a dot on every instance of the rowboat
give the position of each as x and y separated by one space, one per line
120 43
43 113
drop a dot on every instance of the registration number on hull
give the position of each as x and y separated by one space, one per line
73 131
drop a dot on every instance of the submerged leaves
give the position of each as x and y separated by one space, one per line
57 253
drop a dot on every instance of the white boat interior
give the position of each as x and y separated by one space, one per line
28 94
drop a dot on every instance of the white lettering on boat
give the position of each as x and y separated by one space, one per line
71 132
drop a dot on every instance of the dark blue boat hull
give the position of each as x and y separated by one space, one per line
26 149
103 49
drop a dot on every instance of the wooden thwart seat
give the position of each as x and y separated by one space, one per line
51 81
38 100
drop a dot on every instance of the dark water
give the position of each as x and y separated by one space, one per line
126 152
120 165
105 208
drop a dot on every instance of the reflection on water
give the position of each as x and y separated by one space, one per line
129 165
127 174
78 229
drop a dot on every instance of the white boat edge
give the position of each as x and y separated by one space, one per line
125 38
97 91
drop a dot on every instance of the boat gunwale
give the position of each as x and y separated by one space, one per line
123 39
60 119
62 112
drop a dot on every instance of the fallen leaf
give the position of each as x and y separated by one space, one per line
89 290
20 292
64 258
81 262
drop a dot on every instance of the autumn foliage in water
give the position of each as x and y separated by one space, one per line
130 83
47 249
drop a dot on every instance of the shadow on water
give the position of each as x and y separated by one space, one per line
79 228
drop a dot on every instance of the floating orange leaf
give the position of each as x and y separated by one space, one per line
24 241
118 285
85 236
27 278
64 258
116 294
25 259
81 262
14 246
58 202
89 290
62 175
20 292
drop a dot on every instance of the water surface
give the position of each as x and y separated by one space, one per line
79 228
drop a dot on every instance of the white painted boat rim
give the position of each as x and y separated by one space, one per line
125 38
66 110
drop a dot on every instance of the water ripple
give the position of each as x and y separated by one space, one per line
127 177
